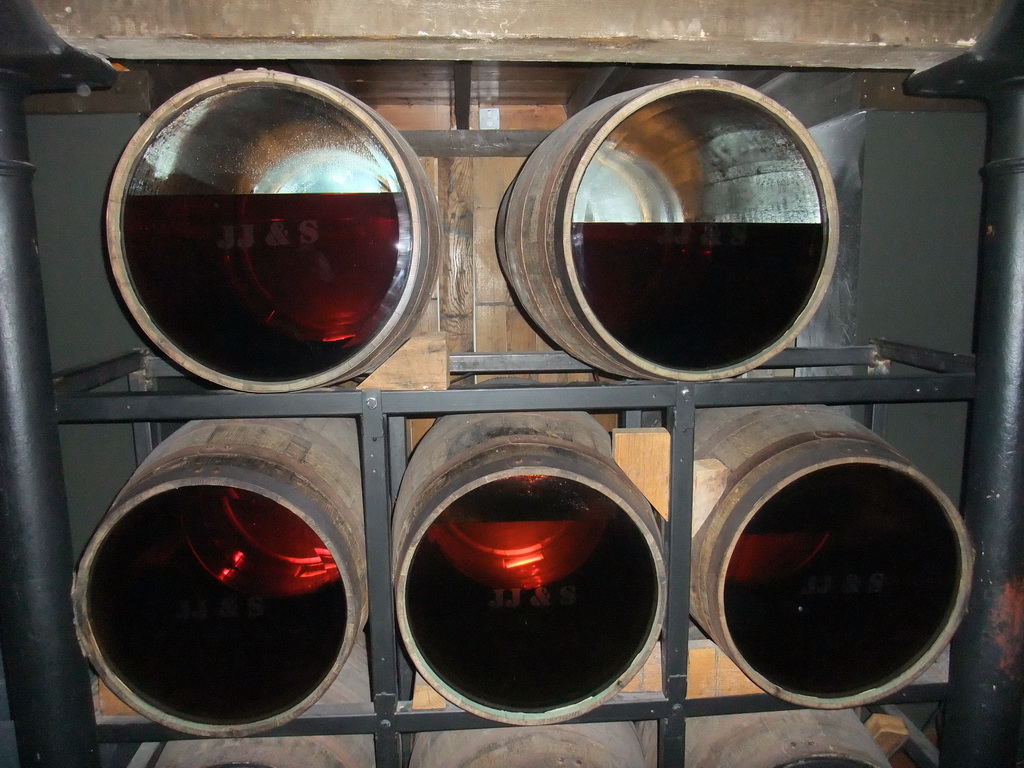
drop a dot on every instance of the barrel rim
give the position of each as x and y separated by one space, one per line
236 477
828 204
394 145
763 476
404 557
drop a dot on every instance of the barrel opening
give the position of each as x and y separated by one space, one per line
265 231
842 580
217 604
698 231
531 591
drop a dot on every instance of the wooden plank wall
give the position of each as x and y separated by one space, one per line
472 305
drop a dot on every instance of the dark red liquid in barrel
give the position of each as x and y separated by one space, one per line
268 287
696 295
239 633
531 592
841 580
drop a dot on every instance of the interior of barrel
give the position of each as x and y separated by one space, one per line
531 592
266 233
698 232
216 605
843 580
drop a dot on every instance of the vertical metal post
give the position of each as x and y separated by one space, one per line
397 461
986 681
47 678
377 505
987 662
143 432
675 633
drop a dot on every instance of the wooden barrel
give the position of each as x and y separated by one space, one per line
831 571
225 588
592 745
529 574
339 751
686 230
271 233
799 737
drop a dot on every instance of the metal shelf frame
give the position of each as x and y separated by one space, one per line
842 376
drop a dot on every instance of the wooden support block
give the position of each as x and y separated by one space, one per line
425 697
420 363
107 703
888 731
645 455
648 679
456 284
709 479
711 673
415 429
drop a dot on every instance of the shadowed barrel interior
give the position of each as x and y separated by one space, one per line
217 604
530 592
841 579
225 588
353 750
831 570
529 578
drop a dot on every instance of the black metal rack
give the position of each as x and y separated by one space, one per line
46 678
857 375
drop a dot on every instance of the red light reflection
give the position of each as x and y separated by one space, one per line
761 558
253 544
521 554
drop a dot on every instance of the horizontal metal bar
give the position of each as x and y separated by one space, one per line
475 362
472 143
346 719
835 390
636 395
82 378
926 359
560 362
360 719
622 707
822 357
342 719
922 693
155 406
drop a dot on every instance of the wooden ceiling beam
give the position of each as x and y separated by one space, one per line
890 34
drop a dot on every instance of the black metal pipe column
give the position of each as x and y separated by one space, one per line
47 681
987 661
